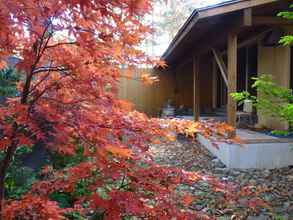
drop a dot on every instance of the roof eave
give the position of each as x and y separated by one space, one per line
198 14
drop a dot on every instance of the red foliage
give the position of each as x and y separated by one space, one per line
71 52
33 207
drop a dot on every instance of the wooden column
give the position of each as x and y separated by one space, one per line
246 68
232 77
215 84
247 17
196 95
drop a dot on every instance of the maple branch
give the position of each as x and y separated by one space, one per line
39 52
85 30
45 90
60 44
69 103
42 80
122 185
49 69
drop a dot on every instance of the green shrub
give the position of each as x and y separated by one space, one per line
65 200
74 216
288 39
8 79
273 100
19 179
280 133
60 161
239 97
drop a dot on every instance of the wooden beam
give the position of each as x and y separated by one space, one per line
196 90
232 77
221 65
236 26
270 20
210 41
252 40
247 17
205 13
230 7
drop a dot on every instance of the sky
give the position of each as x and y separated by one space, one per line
162 41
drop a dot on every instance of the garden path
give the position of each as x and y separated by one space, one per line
277 184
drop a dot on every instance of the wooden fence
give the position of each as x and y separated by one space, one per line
146 98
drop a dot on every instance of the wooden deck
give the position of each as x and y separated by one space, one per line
258 151
253 137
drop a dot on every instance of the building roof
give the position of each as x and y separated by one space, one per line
205 13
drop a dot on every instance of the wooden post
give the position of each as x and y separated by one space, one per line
221 91
247 17
196 95
214 84
246 68
232 77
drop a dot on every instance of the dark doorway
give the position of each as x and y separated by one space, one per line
251 67
291 73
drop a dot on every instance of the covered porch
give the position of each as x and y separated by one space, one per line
217 52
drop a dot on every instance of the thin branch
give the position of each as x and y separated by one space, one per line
69 103
42 80
60 44
46 89
122 185
39 53
37 84
49 69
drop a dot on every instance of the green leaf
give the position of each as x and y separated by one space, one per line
102 193
64 200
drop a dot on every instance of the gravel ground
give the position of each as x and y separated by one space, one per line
276 185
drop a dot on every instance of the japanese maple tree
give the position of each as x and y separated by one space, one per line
70 55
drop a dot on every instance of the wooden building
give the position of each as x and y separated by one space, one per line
216 52
219 49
